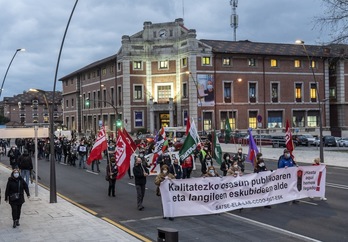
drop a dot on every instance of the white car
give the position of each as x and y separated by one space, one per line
343 142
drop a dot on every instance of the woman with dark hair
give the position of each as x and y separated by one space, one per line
14 193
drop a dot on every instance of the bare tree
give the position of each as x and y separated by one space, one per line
335 20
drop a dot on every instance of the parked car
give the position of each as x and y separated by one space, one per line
279 141
260 139
343 142
329 140
310 139
301 139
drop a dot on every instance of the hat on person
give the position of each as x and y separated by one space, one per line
286 151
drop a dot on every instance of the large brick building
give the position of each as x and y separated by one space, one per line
163 74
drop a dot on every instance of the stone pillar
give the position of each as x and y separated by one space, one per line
152 116
171 112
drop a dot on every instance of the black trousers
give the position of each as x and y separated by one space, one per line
112 185
16 211
140 195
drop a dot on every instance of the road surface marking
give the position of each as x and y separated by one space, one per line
126 230
273 228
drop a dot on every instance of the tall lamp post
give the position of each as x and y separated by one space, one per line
9 65
321 149
198 96
36 164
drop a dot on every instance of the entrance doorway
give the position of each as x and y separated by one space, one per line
164 119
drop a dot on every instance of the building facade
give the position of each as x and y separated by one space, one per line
32 108
162 75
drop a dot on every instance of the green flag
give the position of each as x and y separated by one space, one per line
190 143
228 130
217 149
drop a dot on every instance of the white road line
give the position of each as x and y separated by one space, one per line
295 235
337 186
142 219
132 184
315 204
95 173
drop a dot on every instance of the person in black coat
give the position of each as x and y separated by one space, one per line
16 184
25 164
111 172
13 154
140 173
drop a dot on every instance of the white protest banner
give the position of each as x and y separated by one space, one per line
154 168
198 196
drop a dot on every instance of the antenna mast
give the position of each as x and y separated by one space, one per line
234 18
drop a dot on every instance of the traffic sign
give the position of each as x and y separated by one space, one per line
259 118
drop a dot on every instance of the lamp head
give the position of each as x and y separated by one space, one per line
21 49
299 42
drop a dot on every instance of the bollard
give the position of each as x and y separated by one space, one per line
167 235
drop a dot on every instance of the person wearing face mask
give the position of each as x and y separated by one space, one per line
286 160
140 174
211 172
240 158
234 170
164 174
16 185
176 169
260 164
209 92
111 172
226 164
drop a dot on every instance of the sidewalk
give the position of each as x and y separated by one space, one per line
306 155
61 221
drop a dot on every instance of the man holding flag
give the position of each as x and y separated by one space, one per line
190 143
98 148
253 150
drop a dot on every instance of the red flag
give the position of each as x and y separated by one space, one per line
129 140
123 154
99 146
188 125
288 139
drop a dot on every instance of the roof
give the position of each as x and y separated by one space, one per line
27 97
270 49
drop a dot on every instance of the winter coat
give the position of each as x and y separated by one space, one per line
138 171
25 162
12 187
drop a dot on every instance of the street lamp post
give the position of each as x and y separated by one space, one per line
198 96
321 148
9 65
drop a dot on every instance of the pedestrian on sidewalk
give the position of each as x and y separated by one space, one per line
25 164
140 174
14 193
13 154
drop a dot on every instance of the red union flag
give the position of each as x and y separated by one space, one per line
99 146
129 140
123 154
288 139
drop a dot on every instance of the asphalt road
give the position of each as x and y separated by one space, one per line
306 221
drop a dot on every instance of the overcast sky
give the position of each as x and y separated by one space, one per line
97 27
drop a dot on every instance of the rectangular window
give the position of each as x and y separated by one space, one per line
94 100
231 116
163 64
313 92
104 98
313 118
206 60
98 99
252 92
138 119
137 65
313 64
226 61
67 103
184 62
72 102
104 71
251 62
274 63
298 92
298 119
297 63
275 92
112 95
89 75
185 114
138 92
164 93
275 119
93 74
184 90
227 92
332 92
119 95
253 119
112 69
72 81
119 65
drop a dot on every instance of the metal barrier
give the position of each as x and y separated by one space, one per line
167 235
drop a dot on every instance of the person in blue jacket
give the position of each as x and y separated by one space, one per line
286 160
